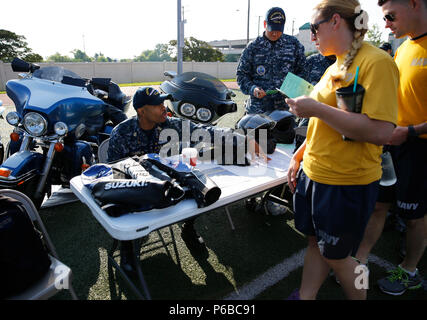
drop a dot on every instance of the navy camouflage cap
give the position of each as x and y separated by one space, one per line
148 96
275 19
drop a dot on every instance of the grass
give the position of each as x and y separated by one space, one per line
235 257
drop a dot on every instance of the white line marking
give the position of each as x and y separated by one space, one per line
281 271
269 278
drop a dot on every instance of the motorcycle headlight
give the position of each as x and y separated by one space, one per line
35 124
187 109
204 114
60 128
13 118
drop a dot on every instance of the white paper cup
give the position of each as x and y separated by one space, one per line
189 155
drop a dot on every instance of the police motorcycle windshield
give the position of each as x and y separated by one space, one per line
55 73
59 95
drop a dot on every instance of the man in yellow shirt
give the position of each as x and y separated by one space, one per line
409 144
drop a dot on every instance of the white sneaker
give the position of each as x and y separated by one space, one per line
275 209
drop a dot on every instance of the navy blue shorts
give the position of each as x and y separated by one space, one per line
336 215
410 163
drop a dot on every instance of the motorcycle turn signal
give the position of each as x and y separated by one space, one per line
14 136
59 147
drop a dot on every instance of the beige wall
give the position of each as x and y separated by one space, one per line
130 72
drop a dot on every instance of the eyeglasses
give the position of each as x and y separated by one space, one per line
314 27
389 17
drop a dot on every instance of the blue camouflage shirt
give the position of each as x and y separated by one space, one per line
316 67
128 139
265 64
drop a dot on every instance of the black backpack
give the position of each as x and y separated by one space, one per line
23 255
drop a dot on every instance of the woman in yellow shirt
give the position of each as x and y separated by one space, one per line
336 191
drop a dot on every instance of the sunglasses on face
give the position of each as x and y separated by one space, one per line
389 17
314 27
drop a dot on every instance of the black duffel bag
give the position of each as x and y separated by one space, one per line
23 256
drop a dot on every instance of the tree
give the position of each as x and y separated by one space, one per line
197 50
80 56
99 57
160 53
374 35
33 57
232 57
57 57
13 45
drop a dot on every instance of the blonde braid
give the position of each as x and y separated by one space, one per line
355 46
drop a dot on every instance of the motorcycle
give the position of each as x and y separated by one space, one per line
59 122
1 144
197 96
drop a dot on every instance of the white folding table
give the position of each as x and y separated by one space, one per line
236 183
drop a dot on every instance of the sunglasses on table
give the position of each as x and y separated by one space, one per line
389 17
314 27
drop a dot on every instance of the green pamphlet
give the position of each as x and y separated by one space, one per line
294 86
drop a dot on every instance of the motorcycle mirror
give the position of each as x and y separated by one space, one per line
171 74
19 65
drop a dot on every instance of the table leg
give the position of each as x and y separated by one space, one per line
136 250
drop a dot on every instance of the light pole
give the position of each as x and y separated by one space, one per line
249 9
180 40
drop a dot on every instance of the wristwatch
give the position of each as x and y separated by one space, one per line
411 131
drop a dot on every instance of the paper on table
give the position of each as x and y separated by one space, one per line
223 177
294 86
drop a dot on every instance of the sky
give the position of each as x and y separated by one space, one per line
123 29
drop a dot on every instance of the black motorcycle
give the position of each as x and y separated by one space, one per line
197 96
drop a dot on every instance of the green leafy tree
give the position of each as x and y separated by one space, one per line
374 35
33 57
232 57
80 56
197 50
13 45
160 53
57 57
99 57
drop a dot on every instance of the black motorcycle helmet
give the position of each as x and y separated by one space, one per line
284 130
252 123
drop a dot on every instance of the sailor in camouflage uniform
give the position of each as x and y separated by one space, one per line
140 135
317 65
266 61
